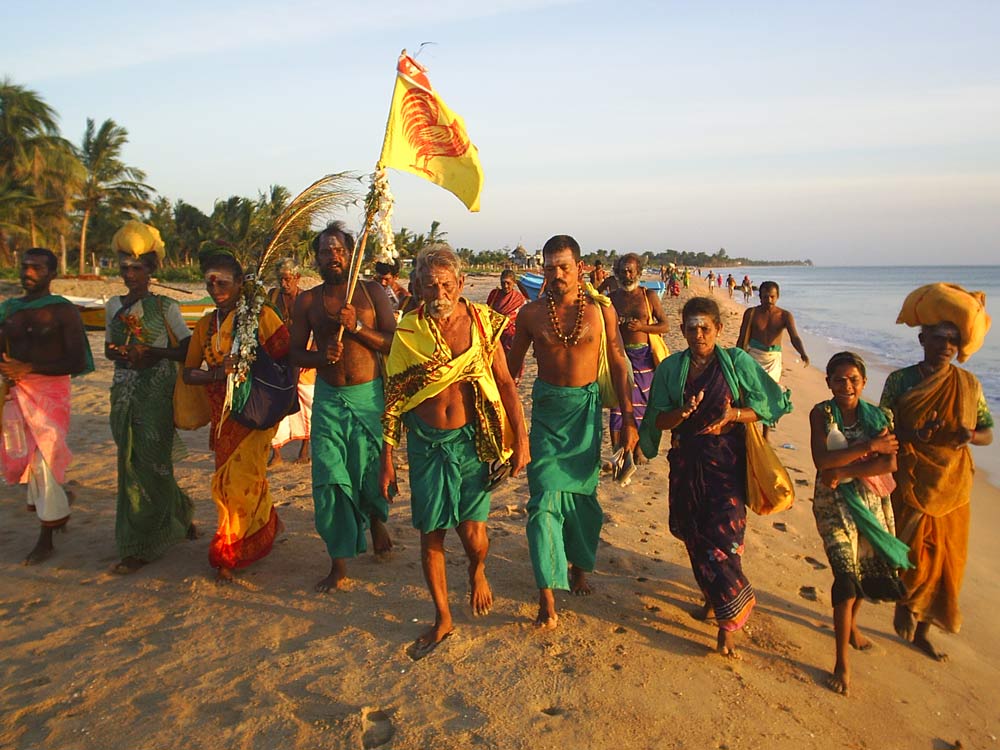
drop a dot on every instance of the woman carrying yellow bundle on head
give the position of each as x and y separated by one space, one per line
939 411
145 337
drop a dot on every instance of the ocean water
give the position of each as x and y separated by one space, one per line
855 308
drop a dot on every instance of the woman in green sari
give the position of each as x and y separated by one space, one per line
145 336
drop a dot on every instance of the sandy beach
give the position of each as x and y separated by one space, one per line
165 658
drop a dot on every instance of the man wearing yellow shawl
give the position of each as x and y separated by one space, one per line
247 524
43 344
145 336
939 411
447 381
581 360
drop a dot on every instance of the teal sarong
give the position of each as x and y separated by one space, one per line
564 517
447 478
346 442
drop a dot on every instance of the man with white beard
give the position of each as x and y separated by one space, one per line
642 322
447 382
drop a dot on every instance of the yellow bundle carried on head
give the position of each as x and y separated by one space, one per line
937 303
136 238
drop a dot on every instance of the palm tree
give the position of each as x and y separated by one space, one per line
109 181
38 169
435 235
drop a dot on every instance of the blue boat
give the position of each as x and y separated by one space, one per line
532 283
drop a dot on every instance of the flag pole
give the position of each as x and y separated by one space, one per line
357 259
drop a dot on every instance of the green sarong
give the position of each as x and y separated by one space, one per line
447 478
564 517
346 444
152 511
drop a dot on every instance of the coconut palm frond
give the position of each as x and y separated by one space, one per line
327 194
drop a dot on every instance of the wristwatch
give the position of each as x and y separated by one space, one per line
358 326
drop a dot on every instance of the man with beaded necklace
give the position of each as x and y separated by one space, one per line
564 517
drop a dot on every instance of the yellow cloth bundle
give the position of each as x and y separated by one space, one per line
949 303
136 238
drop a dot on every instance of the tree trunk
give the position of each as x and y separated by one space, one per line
34 238
83 241
62 254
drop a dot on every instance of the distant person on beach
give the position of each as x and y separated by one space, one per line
348 405
507 300
704 396
387 274
447 382
642 324
43 344
731 284
762 329
939 412
711 282
146 337
607 285
295 426
598 274
580 356
855 455
247 521
747 289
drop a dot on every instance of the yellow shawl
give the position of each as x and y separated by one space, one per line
934 477
421 366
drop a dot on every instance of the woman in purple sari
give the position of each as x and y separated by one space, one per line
704 396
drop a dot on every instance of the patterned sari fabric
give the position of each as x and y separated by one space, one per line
708 472
640 359
152 511
708 502
858 569
934 485
248 523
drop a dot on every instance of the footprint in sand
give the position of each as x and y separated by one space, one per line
808 592
780 526
553 711
816 563
378 728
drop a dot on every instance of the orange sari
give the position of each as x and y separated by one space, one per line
248 523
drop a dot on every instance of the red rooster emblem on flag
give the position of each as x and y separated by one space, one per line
426 134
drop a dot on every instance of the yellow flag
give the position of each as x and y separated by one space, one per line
426 138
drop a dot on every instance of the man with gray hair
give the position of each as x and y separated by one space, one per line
447 382
295 426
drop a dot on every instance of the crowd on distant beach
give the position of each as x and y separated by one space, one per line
357 369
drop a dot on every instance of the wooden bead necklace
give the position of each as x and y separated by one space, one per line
574 335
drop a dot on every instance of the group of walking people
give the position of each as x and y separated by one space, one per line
892 487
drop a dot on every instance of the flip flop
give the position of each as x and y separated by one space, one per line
419 650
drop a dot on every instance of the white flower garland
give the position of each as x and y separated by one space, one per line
379 203
247 322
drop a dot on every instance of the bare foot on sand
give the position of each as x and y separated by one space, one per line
43 548
303 457
128 565
920 641
725 644
578 583
704 612
224 575
192 532
276 459
481 598
381 541
338 574
839 681
547 618
431 639
860 643
904 623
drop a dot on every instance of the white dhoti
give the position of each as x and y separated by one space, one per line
770 362
297 426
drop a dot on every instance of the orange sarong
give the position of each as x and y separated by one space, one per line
933 489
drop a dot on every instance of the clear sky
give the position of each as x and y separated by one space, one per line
847 132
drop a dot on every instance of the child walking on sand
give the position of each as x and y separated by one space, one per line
855 455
